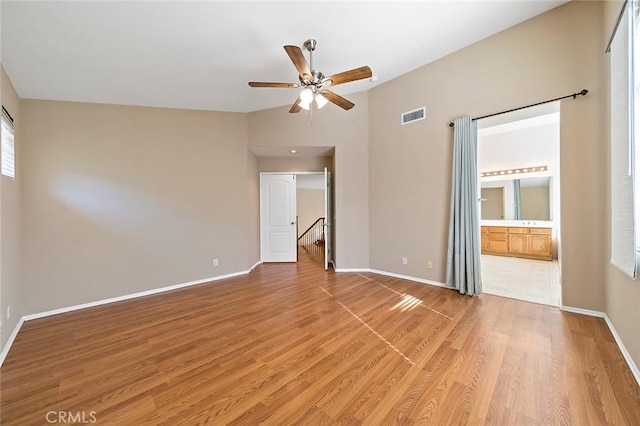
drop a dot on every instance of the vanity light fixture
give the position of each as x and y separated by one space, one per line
515 171
293 151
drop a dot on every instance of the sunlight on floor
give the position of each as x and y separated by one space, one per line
405 295
363 322
407 303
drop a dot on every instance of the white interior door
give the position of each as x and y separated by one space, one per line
328 215
278 239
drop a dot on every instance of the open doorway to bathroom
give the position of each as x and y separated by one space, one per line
519 166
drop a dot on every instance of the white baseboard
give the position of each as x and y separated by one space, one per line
255 265
5 351
623 349
581 311
625 353
394 275
131 296
12 337
407 277
6 348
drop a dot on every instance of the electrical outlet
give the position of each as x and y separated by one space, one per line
429 264
215 262
8 312
404 261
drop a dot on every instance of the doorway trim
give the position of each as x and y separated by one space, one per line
532 117
328 220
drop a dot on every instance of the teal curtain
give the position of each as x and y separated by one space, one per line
463 254
517 201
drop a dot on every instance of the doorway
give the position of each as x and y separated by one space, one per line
312 205
296 217
519 183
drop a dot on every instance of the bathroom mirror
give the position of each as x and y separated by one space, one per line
516 199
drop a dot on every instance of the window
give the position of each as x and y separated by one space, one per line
635 112
624 188
8 147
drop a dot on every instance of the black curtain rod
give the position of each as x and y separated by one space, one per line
573 95
7 113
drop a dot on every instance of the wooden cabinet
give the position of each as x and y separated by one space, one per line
498 239
518 243
540 243
484 239
534 243
495 239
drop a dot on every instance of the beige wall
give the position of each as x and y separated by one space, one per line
11 289
309 207
294 164
349 134
622 293
121 199
548 56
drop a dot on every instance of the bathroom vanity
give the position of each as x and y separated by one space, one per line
517 241
517 215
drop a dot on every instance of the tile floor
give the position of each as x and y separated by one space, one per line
525 279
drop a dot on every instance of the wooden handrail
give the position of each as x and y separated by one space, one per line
312 225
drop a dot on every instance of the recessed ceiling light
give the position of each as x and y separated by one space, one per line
293 151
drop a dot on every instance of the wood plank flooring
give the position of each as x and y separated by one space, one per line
291 344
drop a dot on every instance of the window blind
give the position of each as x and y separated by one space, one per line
623 240
8 147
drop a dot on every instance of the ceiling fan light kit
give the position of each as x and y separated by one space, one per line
307 97
321 100
314 82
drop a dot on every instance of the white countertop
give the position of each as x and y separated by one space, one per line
516 223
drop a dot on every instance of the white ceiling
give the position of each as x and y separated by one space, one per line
200 55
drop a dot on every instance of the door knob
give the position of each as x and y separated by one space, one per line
293 223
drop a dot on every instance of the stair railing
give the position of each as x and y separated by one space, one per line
314 235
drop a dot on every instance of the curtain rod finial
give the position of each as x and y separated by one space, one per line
583 92
450 124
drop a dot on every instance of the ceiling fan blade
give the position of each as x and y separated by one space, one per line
265 84
351 75
296 106
297 57
338 100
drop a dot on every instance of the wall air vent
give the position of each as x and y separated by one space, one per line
411 116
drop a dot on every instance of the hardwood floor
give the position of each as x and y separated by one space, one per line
291 344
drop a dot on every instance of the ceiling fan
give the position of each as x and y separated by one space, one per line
314 82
